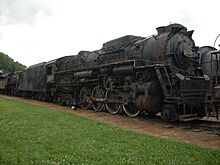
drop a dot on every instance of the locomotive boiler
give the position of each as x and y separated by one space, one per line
135 74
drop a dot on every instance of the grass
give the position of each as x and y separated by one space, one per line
36 135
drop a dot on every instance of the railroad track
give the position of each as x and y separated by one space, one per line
210 125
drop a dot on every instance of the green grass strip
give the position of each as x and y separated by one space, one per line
37 135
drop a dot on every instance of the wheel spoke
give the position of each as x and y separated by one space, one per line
113 104
98 99
85 101
129 107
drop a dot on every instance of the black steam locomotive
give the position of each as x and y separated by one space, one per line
133 74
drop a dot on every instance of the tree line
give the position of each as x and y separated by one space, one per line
7 64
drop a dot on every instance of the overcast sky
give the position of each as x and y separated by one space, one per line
33 31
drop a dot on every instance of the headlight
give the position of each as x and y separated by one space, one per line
188 53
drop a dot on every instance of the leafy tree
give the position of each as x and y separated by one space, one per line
7 64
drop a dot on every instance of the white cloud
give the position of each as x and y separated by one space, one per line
21 11
35 31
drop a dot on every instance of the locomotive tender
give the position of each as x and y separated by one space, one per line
131 74
210 64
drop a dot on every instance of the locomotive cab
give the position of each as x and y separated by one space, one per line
50 70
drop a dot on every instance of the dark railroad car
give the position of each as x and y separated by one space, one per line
32 81
2 82
12 83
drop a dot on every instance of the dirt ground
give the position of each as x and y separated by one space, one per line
154 127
